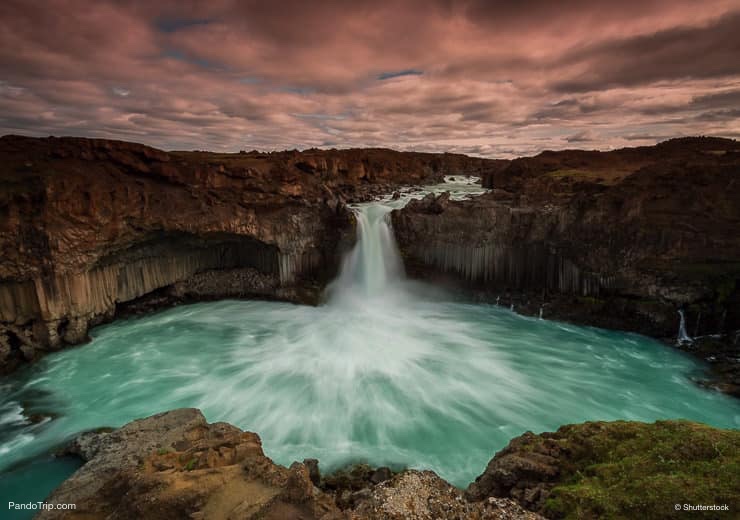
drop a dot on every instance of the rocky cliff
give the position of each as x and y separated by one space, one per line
176 465
621 239
90 227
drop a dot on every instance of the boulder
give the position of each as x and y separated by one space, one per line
177 465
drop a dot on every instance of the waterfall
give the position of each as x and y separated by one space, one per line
542 310
683 338
373 267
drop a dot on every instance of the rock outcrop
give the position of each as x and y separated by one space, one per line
619 239
176 465
423 495
90 226
617 470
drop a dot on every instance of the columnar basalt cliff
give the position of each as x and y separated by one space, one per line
619 239
622 239
89 227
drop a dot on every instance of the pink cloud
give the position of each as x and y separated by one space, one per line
483 77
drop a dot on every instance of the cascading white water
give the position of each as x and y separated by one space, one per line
373 267
683 338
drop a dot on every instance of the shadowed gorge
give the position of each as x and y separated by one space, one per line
623 239
92 225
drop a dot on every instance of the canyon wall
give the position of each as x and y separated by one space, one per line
624 239
619 239
91 227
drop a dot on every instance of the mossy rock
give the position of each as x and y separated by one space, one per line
620 470
636 470
591 301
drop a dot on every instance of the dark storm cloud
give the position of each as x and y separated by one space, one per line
487 77
679 53
584 136
390 75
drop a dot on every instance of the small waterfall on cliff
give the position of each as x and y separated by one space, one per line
683 338
373 267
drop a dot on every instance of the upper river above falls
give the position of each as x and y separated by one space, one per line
387 371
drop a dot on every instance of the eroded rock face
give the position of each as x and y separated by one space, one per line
524 475
89 225
618 239
176 465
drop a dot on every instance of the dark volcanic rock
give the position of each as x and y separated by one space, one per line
89 225
619 239
313 470
381 475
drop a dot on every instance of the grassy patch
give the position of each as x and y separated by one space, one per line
601 176
571 173
591 301
636 470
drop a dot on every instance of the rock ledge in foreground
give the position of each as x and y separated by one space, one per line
620 469
177 465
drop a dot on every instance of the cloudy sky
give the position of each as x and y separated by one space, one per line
486 77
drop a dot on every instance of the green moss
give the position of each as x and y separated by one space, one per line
707 269
636 470
570 173
597 175
722 277
190 466
590 301
646 306
724 288
162 451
